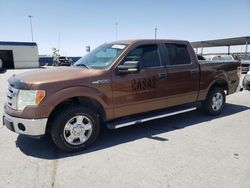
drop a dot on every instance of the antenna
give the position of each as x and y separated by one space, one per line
58 42
155 33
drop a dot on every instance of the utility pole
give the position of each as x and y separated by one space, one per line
30 17
155 33
116 30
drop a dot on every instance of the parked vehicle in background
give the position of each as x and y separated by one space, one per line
246 81
48 61
245 64
223 58
1 65
118 84
61 61
200 57
219 57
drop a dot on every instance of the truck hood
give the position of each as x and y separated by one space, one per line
51 75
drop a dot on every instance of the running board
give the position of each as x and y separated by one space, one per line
132 121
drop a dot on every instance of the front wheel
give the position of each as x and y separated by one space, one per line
75 128
215 101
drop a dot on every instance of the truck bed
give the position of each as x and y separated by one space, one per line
224 71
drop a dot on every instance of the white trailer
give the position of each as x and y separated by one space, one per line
19 55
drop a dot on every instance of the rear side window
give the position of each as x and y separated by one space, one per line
147 55
177 54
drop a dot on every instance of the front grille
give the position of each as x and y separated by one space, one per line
11 97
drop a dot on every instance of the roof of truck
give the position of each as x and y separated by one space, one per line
149 40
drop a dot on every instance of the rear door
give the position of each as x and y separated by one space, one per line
143 91
182 74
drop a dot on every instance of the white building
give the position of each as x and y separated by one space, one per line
19 55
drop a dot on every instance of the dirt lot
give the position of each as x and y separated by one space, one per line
187 150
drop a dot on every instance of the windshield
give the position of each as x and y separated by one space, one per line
101 57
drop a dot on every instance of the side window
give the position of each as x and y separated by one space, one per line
182 55
147 55
178 54
171 53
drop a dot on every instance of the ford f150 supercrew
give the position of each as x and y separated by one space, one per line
118 84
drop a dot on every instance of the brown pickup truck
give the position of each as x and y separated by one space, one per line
118 84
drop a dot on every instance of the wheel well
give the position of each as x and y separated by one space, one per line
85 101
221 84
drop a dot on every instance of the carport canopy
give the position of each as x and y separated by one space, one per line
222 42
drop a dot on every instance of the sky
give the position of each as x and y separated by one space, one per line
92 22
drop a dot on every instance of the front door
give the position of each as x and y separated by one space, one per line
143 91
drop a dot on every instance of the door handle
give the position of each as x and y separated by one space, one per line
162 76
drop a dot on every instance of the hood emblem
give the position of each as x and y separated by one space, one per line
105 81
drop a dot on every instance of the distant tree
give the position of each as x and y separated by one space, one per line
55 52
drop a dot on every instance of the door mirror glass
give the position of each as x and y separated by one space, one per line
128 67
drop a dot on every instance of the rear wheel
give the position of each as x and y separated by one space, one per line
215 101
75 128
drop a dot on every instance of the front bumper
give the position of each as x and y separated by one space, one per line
31 127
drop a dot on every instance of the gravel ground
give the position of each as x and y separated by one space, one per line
187 150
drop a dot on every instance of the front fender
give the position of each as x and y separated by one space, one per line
79 91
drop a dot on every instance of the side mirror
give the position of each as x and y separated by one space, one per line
128 67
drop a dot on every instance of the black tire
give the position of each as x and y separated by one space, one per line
63 116
208 105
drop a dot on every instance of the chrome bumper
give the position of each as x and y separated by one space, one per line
31 127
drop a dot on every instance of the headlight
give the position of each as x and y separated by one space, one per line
29 97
